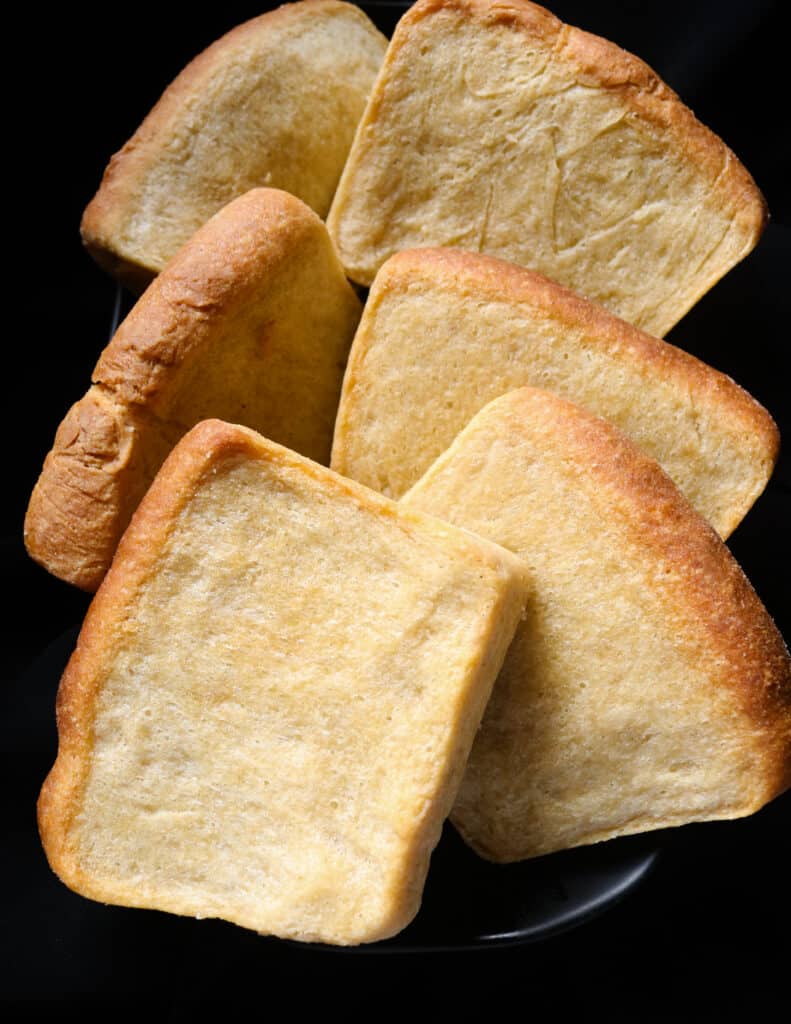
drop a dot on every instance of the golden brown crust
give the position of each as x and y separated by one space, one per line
706 578
95 463
172 362
86 441
211 274
106 218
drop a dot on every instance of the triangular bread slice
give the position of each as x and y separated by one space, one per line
496 128
648 687
250 322
444 332
273 697
275 102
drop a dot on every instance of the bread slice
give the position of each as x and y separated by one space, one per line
494 127
273 697
648 687
274 102
444 332
251 322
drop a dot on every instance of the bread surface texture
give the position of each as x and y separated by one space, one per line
273 697
647 687
275 103
251 322
494 127
444 332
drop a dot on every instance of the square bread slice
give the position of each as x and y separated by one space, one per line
275 102
647 687
444 332
273 697
494 127
251 322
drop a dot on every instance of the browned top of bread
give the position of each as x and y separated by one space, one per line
495 127
444 331
275 102
648 686
250 322
273 696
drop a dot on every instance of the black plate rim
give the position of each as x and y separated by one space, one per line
574 917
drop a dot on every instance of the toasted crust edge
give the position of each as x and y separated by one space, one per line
262 227
91 463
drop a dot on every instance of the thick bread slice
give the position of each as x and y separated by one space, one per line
251 322
274 102
273 697
494 127
648 686
444 332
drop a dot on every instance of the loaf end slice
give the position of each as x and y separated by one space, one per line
251 323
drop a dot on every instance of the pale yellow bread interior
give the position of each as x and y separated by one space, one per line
273 697
251 322
496 128
275 102
444 332
647 687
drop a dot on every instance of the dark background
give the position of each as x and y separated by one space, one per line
707 933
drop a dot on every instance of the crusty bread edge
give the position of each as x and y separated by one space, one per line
135 362
53 532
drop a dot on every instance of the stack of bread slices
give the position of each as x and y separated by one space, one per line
454 547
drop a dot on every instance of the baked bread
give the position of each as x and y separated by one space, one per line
251 322
444 332
273 697
274 102
647 686
494 127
